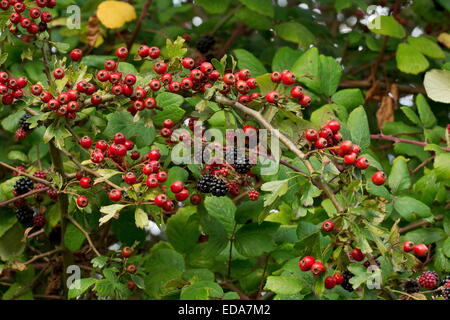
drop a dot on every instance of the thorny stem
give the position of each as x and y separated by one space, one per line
4 203
382 136
86 234
44 182
139 24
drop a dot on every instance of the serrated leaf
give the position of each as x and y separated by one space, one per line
275 189
223 209
110 212
410 60
399 178
437 85
80 286
359 127
283 285
386 25
141 218
296 33
248 60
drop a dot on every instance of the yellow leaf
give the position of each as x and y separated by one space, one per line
114 14
444 38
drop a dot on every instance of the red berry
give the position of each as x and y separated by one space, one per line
36 89
176 186
119 138
154 154
275 77
330 282
345 148
188 63
160 199
317 268
334 125
110 65
128 144
131 269
357 254
356 149
131 285
408 246
196 199
168 205
127 252
58 73
122 53
253 195
229 78
82 201
306 263
103 76
86 142
143 51
311 135
168 123
186 83
22 82
251 83
420 249
206 67
46 17
166 132
160 67
155 85
154 52
429 280
115 195
135 155
243 99
350 158
328 226
196 75
130 79
85 182
287 77
162 176
338 278
305 100
325 133
97 157
76 54
362 163
272 97
242 86
130 178
214 75
244 74
39 220
297 92
321 143
379 178
182 195
150 103
102 145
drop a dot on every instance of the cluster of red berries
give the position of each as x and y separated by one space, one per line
126 253
330 137
419 249
242 82
27 17
11 88
287 78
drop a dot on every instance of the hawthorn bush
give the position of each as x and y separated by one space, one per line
352 204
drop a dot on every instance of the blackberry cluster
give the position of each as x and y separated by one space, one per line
23 122
446 293
242 163
445 280
23 185
205 43
412 286
346 284
211 184
25 216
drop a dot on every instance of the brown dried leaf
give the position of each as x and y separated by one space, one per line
444 38
386 111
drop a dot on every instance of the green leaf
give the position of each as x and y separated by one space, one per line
296 33
330 75
11 244
201 290
285 58
7 220
183 230
283 285
176 48
61 46
170 102
275 189
426 46
426 115
360 274
214 6
442 166
73 237
411 209
307 69
437 85
17 155
340 5
265 84
399 178
387 26
141 218
10 123
253 19
359 127
254 239
137 131
410 60
248 60
306 229
264 7
110 212
127 68
411 115
223 209
425 235
80 286
349 98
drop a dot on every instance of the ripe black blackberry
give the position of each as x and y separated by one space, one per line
211 184
446 293
23 122
445 280
205 43
411 286
25 216
42 26
23 185
240 160
346 284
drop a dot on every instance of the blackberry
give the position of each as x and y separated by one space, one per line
205 43
40 174
429 280
346 284
23 122
211 184
446 293
412 286
42 26
25 216
39 220
241 161
23 185
445 280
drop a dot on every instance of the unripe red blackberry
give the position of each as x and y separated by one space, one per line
428 280
39 220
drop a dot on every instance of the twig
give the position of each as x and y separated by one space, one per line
42 255
86 234
419 224
4 203
46 69
382 136
138 26
45 182
29 285
261 283
232 287
423 164
368 84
